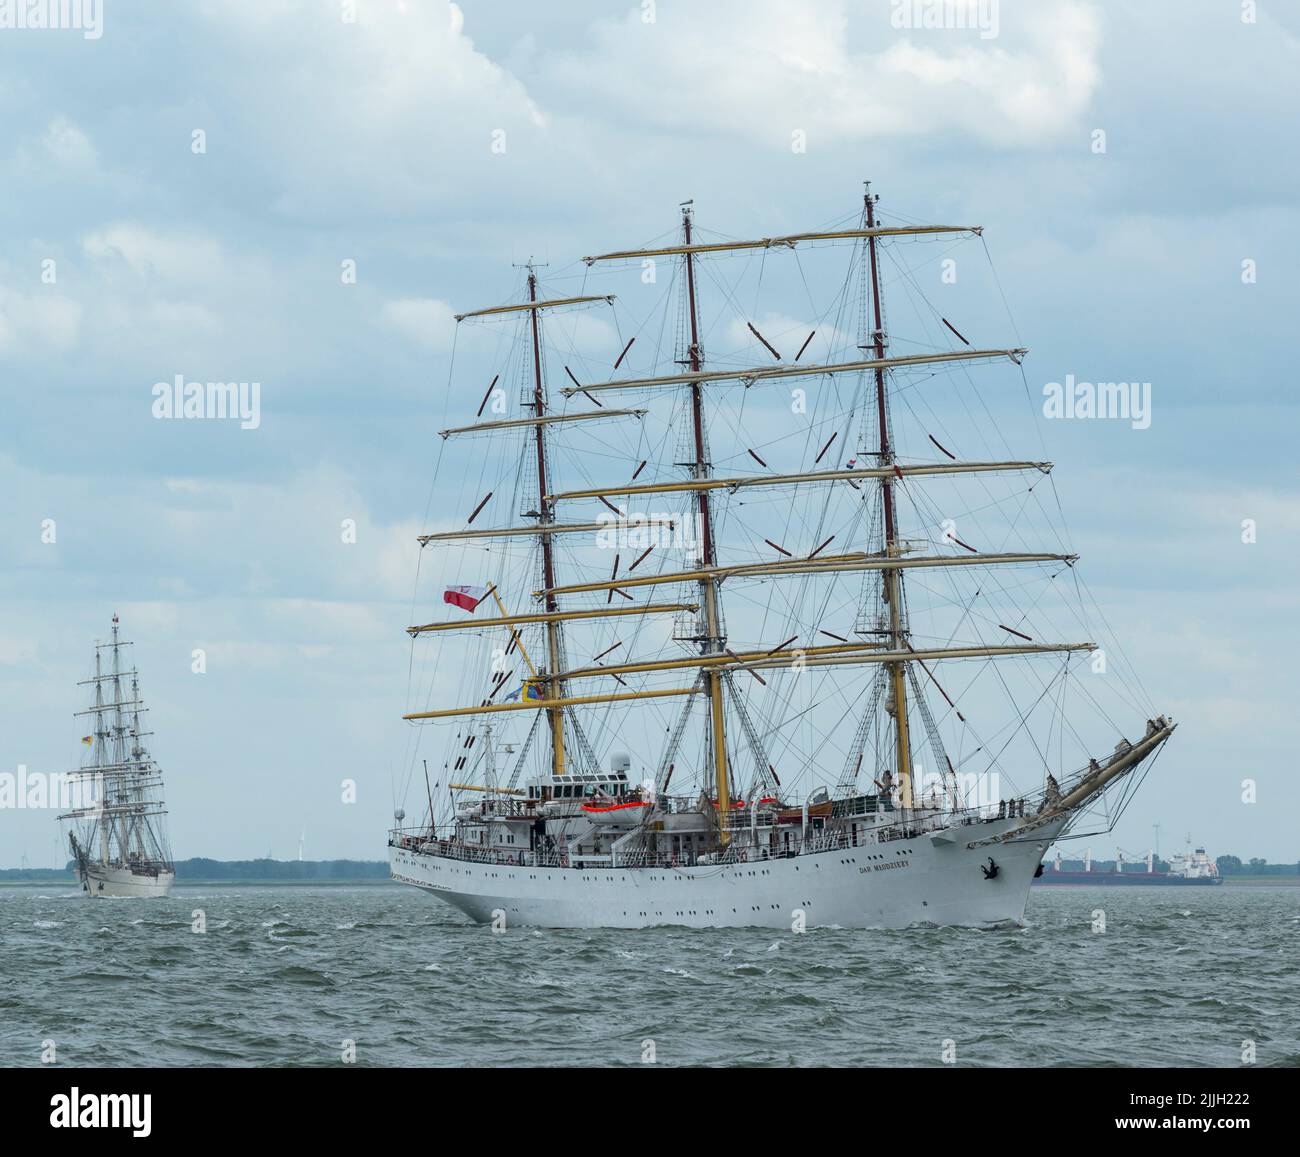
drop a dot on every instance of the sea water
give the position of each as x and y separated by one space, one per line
387 975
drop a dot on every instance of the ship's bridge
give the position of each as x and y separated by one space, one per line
579 786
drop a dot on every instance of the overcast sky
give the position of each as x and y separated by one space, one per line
134 250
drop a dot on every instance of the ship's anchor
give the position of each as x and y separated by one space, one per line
990 871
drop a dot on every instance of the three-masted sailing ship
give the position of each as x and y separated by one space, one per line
787 648
118 837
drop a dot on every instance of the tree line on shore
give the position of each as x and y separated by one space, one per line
202 868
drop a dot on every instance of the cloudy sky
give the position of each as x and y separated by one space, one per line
184 192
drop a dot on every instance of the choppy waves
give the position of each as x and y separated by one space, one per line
315 976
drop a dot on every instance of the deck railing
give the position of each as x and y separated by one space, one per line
803 842
814 843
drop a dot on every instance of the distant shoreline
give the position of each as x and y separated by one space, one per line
205 872
71 882
1228 882
53 877
1285 881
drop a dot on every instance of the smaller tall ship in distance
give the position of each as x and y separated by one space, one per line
118 838
1189 867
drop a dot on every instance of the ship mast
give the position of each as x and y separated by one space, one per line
713 663
101 734
712 643
892 578
122 769
119 750
545 515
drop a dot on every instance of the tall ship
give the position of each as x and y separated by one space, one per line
118 835
1192 867
750 616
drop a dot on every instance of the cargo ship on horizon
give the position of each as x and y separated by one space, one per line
1191 867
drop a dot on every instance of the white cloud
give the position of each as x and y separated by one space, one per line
174 256
582 331
787 334
765 68
378 147
68 146
180 315
15 652
396 110
187 486
423 321
37 321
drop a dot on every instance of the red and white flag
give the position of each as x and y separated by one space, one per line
467 598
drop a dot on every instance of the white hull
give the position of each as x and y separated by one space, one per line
933 878
99 880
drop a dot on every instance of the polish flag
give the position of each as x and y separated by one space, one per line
467 598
